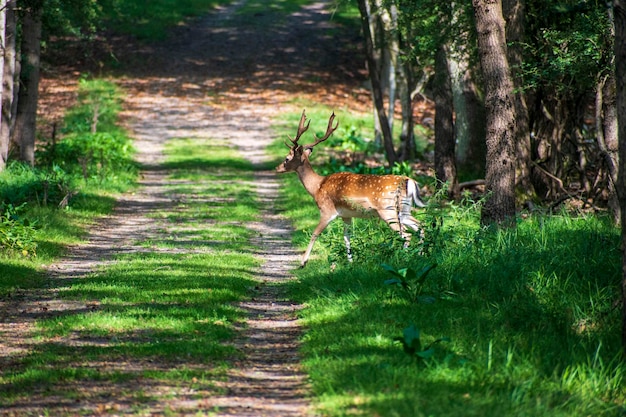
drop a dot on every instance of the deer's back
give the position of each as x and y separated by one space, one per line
360 189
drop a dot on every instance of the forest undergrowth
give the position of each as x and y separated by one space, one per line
469 321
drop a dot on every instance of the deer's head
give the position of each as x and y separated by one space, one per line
298 155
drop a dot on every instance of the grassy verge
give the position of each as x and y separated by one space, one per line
151 22
519 322
155 324
44 209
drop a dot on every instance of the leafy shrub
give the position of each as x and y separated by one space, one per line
94 155
410 281
20 183
413 345
352 140
17 233
93 146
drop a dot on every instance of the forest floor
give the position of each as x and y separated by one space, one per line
219 77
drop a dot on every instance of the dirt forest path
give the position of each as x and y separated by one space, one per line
223 77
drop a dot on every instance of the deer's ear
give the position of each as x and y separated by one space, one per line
307 152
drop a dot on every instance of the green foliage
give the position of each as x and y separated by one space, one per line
285 7
33 196
150 22
528 312
569 45
20 183
17 233
95 155
412 343
84 18
93 147
425 25
81 18
167 317
410 281
350 139
525 311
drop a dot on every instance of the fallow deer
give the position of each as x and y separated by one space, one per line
348 195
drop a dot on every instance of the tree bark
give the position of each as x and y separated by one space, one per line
8 81
499 207
620 79
514 13
607 137
469 109
407 136
4 144
377 90
445 159
26 118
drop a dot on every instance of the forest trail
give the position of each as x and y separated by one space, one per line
224 77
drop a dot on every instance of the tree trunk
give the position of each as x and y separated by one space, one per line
377 91
26 117
607 137
389 53
514 12
4 144
407 136
499 207
469 109
8 81
375 31
620 78
445 159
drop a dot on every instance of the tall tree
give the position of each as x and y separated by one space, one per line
8 81
500 113
469 109
4 145
620 78
377 89
513 11
26 118
445 158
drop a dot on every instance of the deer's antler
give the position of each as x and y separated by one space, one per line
302 127
329 131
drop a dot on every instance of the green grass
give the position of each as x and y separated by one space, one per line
151 22
214 172
281 7
527 314
35 193
161 320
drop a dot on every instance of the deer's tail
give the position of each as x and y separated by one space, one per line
413 192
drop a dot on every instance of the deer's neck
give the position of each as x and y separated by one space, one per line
310 179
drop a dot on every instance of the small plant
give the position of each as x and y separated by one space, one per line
93 146
17 234
402 168
412 343
410 281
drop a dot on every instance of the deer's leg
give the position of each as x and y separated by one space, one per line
399 222
324 220
393 220
347 228
414 225
408 220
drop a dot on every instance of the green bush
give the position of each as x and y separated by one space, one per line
93 146
17 233
20 183
95 155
